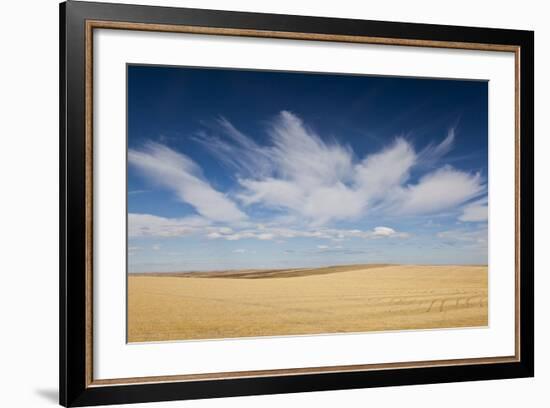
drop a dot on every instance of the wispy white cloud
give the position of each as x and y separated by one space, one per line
132 192
236 149
384 231
299 175
305 176
180 174
147 225
433 152
439 190
476 211
276 233
380 175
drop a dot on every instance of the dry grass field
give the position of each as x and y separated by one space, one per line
339 299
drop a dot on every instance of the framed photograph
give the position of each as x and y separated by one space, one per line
256 204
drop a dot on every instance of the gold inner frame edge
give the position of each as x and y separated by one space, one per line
119 25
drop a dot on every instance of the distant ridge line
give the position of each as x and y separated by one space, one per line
268 273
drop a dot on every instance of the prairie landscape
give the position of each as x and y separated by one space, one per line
279 302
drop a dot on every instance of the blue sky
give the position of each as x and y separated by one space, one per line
231 169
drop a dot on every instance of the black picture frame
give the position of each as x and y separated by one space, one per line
75 387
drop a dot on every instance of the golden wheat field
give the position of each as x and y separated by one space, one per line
338 299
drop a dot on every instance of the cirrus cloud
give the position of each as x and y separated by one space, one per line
301 175
147 225
476 211
178 173
322 181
